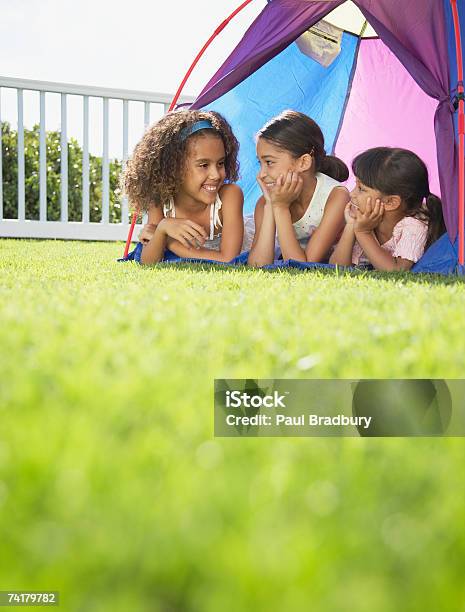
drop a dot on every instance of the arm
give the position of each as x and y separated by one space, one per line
183 231
154 249
281 197
233 229
330 226
262 250
155 215
379 257
290 247
323 237
342 254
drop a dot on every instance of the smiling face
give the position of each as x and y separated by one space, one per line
360 194
275 161
204 172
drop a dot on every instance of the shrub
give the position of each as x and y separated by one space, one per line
31 163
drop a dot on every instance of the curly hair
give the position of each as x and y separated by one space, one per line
153 173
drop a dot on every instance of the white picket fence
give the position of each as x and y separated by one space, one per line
84 229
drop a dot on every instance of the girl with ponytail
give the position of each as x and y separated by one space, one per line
392 217
301 212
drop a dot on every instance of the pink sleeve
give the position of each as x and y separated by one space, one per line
410 238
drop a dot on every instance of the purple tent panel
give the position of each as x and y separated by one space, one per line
386 107
277 26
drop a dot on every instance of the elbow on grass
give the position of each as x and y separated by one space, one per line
224 257
257 262
146 260
337 261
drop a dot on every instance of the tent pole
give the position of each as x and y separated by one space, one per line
461 129
219 29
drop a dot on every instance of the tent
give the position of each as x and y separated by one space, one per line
370 73
391 79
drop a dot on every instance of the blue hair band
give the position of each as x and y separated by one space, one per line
204 124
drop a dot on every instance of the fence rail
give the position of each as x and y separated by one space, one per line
21 227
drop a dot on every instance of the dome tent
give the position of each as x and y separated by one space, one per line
390 82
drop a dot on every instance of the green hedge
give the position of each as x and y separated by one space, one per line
53 147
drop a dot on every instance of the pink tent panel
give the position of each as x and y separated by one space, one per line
387 108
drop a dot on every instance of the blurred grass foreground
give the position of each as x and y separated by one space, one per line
113 490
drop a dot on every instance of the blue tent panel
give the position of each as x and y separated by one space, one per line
289 80
170 257
440 258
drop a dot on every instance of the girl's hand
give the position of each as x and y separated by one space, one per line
188 233
367 221
286 190
265 190
350 213
147 232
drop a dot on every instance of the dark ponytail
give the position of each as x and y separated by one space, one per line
334 167
298 134
394 171
436 225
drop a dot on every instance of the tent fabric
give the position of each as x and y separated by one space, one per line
451 45
277 26
348 17
414 31
441 257
170 257
263 100
414 57
387 107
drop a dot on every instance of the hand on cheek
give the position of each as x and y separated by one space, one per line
287 189
370 218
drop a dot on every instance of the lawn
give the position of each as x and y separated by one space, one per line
113 490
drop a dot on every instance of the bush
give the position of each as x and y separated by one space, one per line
31 161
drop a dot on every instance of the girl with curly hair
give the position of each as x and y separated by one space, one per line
182 174
301 212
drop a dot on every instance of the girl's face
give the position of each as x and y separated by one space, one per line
273 162
204 172
360 194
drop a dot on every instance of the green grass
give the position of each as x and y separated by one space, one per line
114 491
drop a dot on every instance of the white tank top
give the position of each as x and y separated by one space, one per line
214 241
305 226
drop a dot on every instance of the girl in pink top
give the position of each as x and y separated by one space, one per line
392 217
